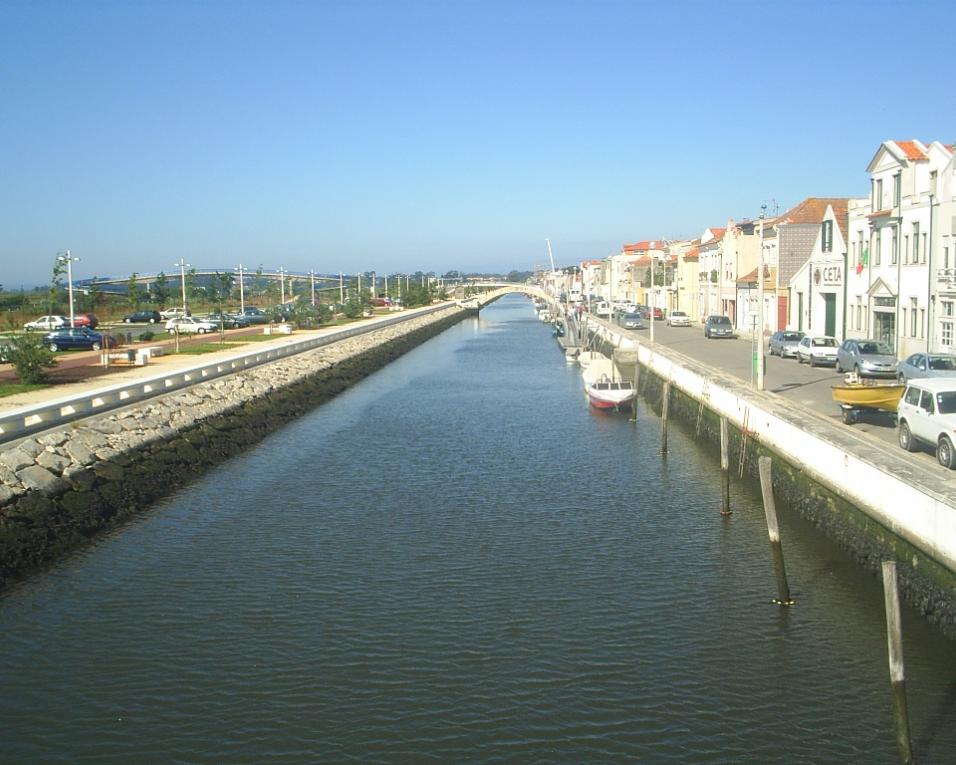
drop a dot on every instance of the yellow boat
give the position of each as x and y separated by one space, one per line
857 396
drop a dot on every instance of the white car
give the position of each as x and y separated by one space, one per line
678 319
818 349
174 313
47 323
187 325
927 414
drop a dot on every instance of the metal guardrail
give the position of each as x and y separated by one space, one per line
23 421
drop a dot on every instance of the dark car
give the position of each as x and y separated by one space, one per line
68 339
784 343
718 326
631 321
230 320
254 315
143 317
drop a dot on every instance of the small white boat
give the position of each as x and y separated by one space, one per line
603 388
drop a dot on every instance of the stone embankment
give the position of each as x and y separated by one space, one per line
60 488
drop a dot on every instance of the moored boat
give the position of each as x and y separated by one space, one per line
602 388
857 397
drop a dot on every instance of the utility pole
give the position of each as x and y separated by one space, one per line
341 288
68 259
183 265
312 279
758 355
242 289
282 273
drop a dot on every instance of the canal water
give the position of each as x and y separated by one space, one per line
456 561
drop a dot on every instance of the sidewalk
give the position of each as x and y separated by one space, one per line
169 362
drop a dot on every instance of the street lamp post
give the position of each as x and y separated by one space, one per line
242 293
650 313
183 265
282 273
341 288
312 280
758 353
68 258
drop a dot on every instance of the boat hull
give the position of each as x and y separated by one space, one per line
884 397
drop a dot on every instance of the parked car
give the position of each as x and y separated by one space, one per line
85 320
784 343
174 313
927 414
47 323
631 321
254 315
867 358
817 349
718 326
657 313
70 339
187 325
678 319
602 309
143 317
230 320
926 365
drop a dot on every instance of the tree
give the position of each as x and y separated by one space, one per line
194 290
161 290
30 357
135 294
56 284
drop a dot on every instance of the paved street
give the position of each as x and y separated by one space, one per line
785 377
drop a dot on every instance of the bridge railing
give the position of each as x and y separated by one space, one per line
23 421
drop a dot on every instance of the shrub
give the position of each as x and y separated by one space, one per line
147 336
30 357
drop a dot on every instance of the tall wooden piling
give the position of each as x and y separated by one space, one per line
664 406
894 645
770 510
725 466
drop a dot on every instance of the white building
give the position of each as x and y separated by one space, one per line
819 285
892 286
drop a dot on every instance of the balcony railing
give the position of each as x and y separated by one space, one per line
946 278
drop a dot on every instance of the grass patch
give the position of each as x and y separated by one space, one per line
12 389
200 348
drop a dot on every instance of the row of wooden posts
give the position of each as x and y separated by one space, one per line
890 589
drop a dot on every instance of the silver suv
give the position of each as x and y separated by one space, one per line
927 414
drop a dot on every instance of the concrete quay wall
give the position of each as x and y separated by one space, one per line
60 488
879 504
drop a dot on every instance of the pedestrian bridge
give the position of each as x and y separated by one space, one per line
491 291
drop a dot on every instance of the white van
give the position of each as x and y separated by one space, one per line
927 414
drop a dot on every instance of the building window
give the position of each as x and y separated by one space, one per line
906 248
913 317
947 307
897 182
878 202
924 249
915 243
946 333
932 183
922 322
827 236
895 246
877 247
903 323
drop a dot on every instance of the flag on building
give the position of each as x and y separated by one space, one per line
864 260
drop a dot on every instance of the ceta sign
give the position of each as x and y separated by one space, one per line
829 275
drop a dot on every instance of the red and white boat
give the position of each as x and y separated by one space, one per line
602 388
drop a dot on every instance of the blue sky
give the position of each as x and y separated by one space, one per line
437 135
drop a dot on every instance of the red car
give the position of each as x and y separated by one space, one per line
658 313
85 320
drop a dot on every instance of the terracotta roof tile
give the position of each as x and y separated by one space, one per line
911 151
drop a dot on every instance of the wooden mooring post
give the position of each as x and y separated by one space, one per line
894 645
725 466
664 405
770 510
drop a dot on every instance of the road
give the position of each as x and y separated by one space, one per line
785 377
